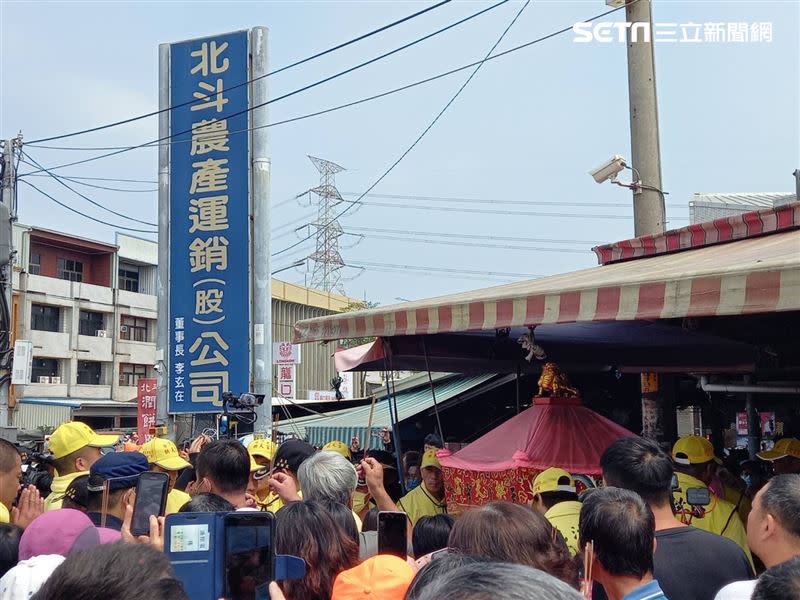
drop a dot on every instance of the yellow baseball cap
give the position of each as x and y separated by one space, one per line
164 453
254 466
782 448
263 447
74 435
693 450
430 459
554 480
339 448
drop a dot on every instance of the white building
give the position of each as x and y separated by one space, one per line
89 309
707 207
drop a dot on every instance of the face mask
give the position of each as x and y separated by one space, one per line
412 483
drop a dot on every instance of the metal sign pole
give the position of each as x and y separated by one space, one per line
261 288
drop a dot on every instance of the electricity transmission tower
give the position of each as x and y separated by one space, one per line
327 259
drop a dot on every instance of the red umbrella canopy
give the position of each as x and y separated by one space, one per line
554 432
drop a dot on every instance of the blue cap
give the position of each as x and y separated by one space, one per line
120 469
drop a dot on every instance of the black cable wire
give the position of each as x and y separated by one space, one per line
89 200
320 81
116 180
77 212
120 150
421 135
275 72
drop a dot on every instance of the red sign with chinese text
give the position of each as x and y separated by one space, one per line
146 409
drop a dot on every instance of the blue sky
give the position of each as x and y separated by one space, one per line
527 128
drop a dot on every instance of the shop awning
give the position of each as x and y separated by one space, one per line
748 276
344 424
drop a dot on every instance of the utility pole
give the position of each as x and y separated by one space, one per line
7 213
649 214
648 202
261 283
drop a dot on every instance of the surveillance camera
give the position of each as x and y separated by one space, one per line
609 169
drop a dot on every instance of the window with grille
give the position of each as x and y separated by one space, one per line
44 367
35 264
89 372
129 278
133 329
91 322
45 318
129 374
69 269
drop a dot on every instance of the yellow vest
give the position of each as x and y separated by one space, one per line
739 499
175 500
718 517
57 489
5 517
419 503
564 517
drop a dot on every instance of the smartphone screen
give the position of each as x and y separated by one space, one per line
248 554
392 533
151 499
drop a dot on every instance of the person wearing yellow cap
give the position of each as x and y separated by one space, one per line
555 496
163 457
426 500
784 456
75 447
262 451
695 465
339 448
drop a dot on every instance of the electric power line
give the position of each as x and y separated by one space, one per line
476 237
472 244
76 192
275 72
490 211
501 201
294 92
77 212
427 129
440 269
120 150
112 179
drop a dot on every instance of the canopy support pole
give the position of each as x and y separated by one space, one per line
433 391
519 373
395 418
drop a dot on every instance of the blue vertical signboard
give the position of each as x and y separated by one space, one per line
209 222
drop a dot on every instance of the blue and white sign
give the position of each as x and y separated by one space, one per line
209 222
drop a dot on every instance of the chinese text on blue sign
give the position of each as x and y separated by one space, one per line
209 227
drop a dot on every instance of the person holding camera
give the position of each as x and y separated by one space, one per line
695 504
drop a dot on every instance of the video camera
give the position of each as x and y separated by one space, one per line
243 403
36 470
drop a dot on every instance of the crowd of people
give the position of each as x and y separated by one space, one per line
659 526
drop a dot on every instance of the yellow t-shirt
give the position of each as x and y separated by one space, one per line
420 503
720 516
5 517
175 500
564 516
57 489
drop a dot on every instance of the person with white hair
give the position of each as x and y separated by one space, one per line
327 477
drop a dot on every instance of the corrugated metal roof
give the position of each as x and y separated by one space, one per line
754 199
409 403
32 415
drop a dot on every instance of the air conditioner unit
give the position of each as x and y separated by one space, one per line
123 329
101 333
55 380
44 379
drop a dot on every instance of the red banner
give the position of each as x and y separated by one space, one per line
146 409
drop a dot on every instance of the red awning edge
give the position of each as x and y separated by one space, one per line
718 231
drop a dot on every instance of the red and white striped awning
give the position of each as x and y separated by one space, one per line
755 275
